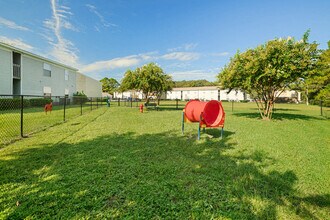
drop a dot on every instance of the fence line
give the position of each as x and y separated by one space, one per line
21 115
137 102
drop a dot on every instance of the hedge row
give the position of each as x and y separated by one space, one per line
79 99
15 103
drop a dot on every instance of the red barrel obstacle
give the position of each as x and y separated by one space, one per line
207 114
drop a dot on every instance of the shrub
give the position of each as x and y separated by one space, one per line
38 102
79 97
13 103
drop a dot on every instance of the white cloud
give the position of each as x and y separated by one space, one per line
194 74
63 50
186 47
190 46
122 62
19 43
182 56
104 23
222 54
12 25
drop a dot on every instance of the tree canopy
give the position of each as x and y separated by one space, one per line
150 79
109 85
267 70
319 82
194 83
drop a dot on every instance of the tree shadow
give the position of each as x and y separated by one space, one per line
286 109
279 109
279 116
161 175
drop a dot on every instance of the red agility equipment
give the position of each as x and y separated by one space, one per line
209 113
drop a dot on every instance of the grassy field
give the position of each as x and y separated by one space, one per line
35 119
118 163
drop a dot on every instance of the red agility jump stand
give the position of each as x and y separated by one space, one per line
207 114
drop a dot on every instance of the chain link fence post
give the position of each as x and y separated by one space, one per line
81 111
91 104
22 112
64 108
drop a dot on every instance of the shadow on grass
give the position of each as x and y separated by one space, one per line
167 108
279 116
147 176
279 109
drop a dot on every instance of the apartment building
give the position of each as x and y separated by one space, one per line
25 73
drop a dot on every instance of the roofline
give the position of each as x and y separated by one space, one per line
15 49
196 88
87 76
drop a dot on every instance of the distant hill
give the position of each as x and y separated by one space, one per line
193 83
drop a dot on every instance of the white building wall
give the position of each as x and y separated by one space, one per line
128 94
91 87
34 81
204 94
208 95
32 77
6 72
232 96
80 82
173 95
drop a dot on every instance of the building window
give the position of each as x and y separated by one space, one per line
66 75
47 70
47 91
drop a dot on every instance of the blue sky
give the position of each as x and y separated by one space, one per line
189 39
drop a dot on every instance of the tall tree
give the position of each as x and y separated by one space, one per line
150 79
319 82
130 81
109 85
166 84
269 69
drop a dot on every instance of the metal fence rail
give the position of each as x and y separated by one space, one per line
320 107
178 104
21 115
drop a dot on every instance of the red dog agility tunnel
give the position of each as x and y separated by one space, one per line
208 114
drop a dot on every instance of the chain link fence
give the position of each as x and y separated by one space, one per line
315 107
21 115
162 104
324 107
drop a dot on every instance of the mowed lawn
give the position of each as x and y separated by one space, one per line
118 163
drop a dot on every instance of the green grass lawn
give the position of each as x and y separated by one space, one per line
35 119
118 163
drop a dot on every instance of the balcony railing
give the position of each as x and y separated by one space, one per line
16 71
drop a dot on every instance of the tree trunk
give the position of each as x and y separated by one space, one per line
146 97
265 109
